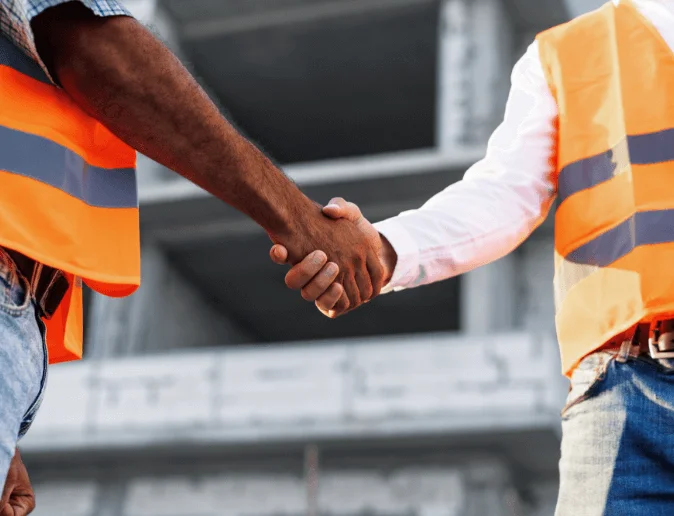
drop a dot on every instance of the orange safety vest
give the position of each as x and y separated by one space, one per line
68 194
612 75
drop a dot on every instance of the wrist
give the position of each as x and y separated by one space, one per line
388 258
294 223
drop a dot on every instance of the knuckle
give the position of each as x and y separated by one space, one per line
291 280
307 295
331 270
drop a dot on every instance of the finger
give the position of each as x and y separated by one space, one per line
23 506
341 307
337 201
303 272
321 282
376 271
22 497
329 298
279 254
351 289
364 285
336 208
340 209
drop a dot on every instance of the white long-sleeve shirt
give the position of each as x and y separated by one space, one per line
503 197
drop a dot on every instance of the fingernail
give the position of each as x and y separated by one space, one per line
331 269
318 258
332 206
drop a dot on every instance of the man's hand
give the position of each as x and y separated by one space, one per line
354 255
318 279
18 498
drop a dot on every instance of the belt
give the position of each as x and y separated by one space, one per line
48 286
655 339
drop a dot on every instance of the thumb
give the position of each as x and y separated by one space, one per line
279 254
338 208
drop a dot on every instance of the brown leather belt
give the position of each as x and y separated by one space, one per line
48 286
655 339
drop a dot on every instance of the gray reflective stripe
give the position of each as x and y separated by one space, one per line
46 161
642 149
643 228
12 56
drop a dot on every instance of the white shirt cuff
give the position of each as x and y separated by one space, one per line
407 266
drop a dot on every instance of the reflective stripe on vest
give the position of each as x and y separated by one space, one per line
639 149
612 76
34 157
68 195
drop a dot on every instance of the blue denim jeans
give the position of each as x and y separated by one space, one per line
618 439
23 361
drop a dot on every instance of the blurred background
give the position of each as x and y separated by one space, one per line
215 391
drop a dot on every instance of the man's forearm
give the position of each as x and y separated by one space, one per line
116 70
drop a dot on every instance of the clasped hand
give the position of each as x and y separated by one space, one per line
339 282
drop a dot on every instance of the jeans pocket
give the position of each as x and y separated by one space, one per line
37 402
586 379
14 292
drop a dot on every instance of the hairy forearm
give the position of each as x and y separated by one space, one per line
118 72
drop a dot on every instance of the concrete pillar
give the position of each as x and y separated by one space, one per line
490 489
453 91
490 68
578 7
489 297
475 56
166 313
536 303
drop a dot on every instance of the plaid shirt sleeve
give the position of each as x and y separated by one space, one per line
15 17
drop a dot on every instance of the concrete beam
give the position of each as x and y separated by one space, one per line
308 13
314 392
336 171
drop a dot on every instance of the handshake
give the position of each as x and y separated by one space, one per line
339 264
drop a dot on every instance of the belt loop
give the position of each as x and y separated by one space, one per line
625 351
629 347
35 280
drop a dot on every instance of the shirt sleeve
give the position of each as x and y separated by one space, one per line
15 17
499 202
